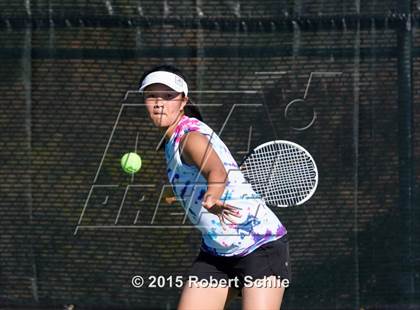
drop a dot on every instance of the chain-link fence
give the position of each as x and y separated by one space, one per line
339 78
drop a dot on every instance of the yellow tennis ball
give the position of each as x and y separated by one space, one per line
131 162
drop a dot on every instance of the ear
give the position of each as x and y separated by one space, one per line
184 103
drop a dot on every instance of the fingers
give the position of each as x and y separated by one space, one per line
230 207
235 213
231 210
223 217
222 222
227 217
224 212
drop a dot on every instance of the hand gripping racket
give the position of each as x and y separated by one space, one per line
283 173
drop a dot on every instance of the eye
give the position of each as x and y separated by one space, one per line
168 96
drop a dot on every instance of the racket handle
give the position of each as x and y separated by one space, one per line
170 200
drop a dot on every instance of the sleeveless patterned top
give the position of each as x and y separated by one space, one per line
257 224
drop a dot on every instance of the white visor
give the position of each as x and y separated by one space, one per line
169 79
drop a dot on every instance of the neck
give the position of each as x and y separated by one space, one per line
170 130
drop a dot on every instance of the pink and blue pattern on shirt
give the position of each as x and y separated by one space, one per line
257 224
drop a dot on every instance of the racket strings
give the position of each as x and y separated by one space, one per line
282 173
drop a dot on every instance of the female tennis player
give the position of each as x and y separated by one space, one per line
244 248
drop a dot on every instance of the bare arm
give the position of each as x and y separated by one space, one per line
197 150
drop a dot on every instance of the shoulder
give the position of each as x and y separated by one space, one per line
190 124
193 139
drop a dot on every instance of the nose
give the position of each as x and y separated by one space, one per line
158 102
158 105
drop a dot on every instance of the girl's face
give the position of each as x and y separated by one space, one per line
163 104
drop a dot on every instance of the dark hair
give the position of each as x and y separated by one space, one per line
190 108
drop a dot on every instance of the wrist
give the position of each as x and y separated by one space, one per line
208 201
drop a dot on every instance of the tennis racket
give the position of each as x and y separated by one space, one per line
283 173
